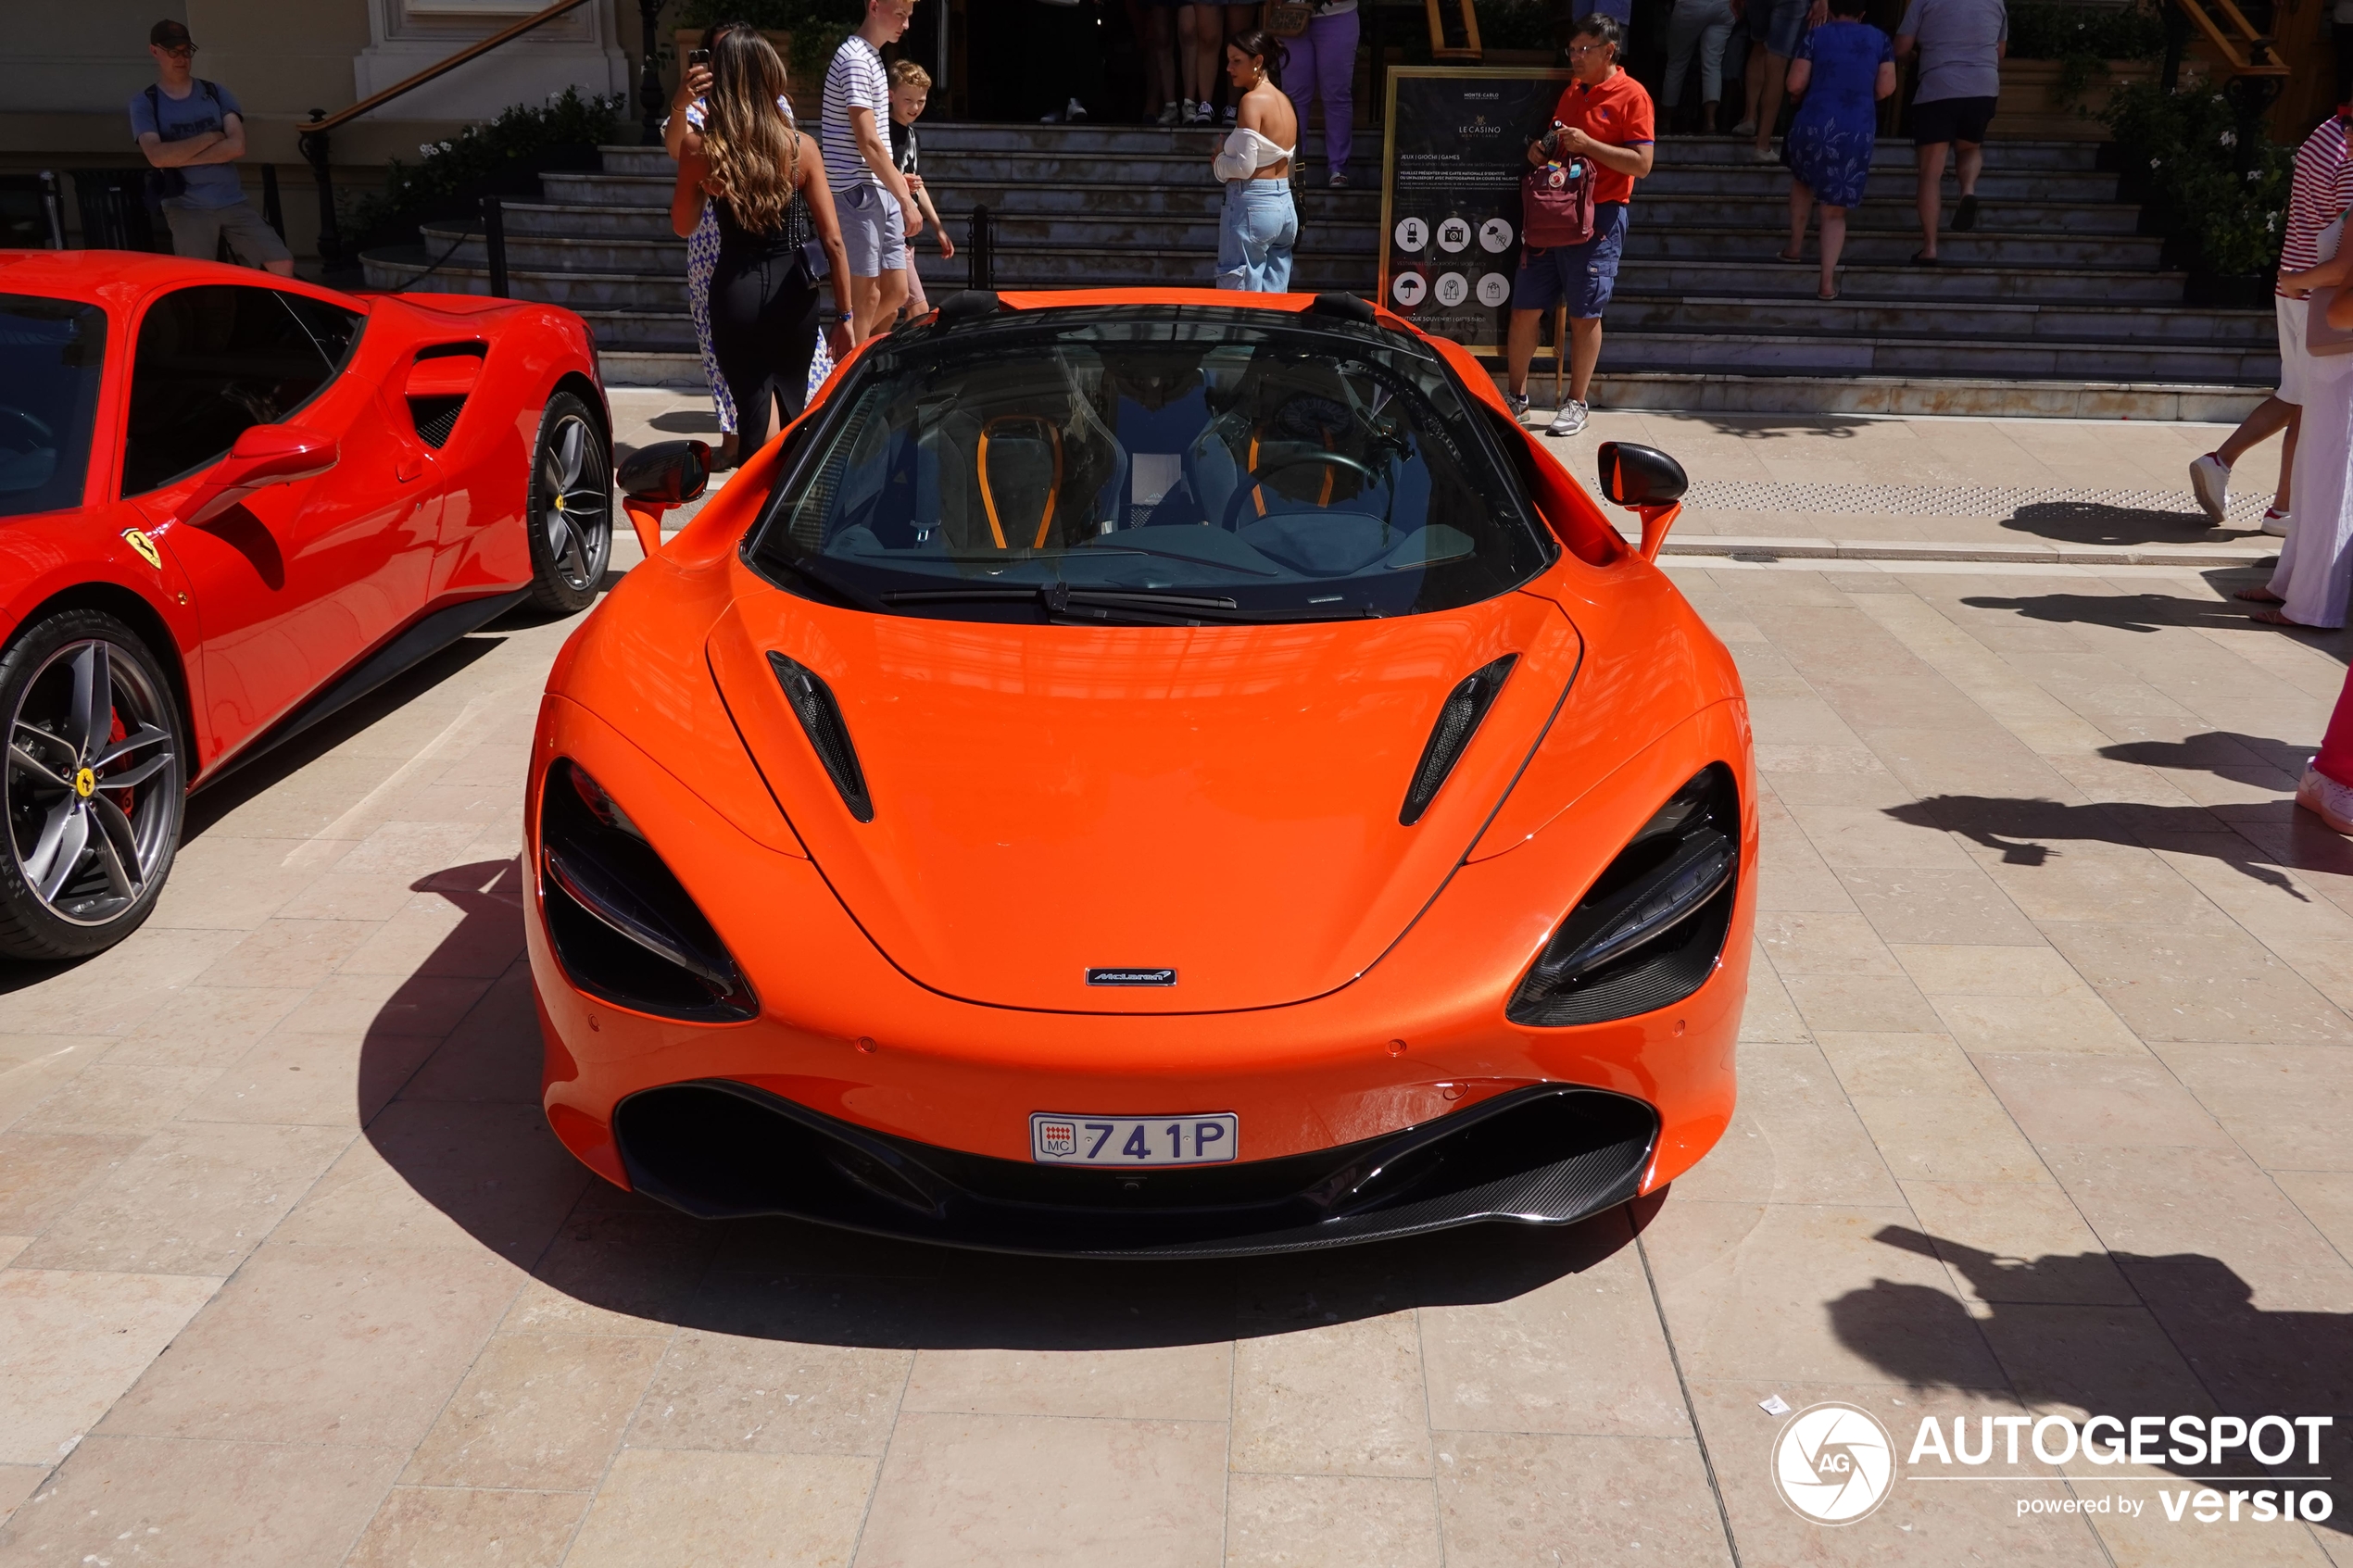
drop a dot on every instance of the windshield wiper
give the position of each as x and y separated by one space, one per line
1139 605
839 587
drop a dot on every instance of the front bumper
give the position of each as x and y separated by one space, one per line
888 1107
1545 1155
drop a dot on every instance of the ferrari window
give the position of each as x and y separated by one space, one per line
1169 465
52 353
215 360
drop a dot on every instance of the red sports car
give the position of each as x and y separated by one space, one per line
231 503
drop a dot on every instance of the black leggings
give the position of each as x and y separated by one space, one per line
764 332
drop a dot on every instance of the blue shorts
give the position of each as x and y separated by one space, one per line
1784 25
1583 275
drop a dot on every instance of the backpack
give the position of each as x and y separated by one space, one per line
1557 204
164 184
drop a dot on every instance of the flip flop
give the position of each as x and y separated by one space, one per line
2273 618
2258 595
1798 260
1826 299
1922 258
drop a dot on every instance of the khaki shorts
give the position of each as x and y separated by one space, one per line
196 232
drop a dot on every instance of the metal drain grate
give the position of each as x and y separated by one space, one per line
1947 500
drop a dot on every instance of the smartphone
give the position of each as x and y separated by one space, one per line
699 56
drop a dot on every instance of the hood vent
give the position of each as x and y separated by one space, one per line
1457 722
813 704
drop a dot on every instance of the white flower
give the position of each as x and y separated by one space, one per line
2156 163
2230 138
425 148
445 146
2253 175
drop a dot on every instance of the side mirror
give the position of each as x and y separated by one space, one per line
668 474
657 478
1641 476
264 455
1645 480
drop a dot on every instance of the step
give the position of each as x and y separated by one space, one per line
2089 187
1853 313
1749 393
1646 242
1312 271
394 266
1760 275
1888 152
1768 210
659 331
2021 359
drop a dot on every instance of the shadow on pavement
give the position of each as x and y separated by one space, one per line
2147 612
2018 827
467 1135
1771 427
2094 522
2219 752
2114 1333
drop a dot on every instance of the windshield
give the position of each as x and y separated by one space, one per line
52 352
1171 464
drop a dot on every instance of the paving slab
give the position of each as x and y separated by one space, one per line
2044 1110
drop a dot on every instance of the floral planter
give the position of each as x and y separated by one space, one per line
2029 105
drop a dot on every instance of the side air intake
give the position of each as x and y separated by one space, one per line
819 715
1457 722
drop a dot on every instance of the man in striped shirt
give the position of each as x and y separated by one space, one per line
2322 189
877 212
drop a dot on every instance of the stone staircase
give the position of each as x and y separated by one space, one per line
2054 306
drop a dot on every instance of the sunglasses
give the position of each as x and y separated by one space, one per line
179 50
1578 51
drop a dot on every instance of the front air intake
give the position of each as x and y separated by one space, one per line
1457 722
622 926
812 703
1648 933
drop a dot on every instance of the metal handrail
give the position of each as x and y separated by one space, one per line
312 137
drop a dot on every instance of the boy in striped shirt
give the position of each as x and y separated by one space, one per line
877 212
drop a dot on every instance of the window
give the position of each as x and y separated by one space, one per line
1177 464
216 361
52 353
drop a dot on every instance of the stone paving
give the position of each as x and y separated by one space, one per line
2045 1093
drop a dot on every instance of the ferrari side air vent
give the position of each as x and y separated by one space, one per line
440 380
819 715
1649 931
1457 722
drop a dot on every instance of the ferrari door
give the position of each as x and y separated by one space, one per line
302 579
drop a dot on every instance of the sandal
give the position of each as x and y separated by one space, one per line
1826 298
2258 595
1922 258
2273 618
1798 260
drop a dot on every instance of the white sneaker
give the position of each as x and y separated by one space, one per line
1168 114
1517 403
2327 798
1745 128
1184 115
1075 113
2275 521
2210 483
1205 114
1569 420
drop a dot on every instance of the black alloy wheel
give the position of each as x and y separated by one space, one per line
94 787
570 516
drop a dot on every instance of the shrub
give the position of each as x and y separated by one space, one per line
817 28
2082 39
1518 24
2215 184
448 177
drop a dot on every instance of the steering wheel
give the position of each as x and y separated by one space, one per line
43 436
1334 460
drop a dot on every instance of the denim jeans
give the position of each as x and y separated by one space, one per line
1255 234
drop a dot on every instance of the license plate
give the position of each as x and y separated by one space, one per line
1133 1140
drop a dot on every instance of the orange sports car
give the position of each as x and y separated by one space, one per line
1145 773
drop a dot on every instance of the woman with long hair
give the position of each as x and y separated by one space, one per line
765 183
1260 225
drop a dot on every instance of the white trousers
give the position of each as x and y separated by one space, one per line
2316 559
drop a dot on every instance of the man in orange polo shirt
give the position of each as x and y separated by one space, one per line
1604 116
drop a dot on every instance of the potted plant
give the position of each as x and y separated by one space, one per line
2067 60
2211 182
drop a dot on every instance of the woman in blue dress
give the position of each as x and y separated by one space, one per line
1844 68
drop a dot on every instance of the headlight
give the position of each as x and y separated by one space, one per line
622 926
1648 933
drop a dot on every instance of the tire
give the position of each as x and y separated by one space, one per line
570 509
93 787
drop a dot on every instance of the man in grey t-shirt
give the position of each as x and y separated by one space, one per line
1961 44
195 131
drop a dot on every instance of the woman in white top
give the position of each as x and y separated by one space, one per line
2315 574
1259 225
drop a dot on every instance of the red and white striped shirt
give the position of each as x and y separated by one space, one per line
2323 188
